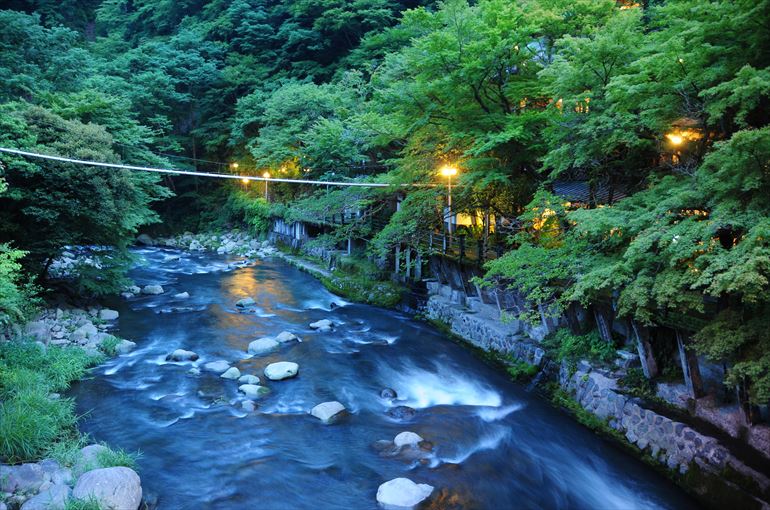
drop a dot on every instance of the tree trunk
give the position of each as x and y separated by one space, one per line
643 346
690 367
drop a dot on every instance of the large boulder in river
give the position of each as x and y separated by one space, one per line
182 355
263 346
286 336
125 346
407 438
114 488
145 240
402 494
322 325
231 373
152 290
218 367
327 411
245 302
281 370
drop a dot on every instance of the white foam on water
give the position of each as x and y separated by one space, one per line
490 414
420 388
488 441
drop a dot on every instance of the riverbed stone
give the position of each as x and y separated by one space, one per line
218 367
88 458
248 379
253 390
106 314
322 325
231 373
245 302
182 355
114 488
152 290
145 240
125 346
53 498
182 295
286 336
402 494
407 438
281 370
248 406
263 346
388 393
401 412
327 411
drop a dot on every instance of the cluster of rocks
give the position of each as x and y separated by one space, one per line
47 485
234 242
70 263
153 289
87 329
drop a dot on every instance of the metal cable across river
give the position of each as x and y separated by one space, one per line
494 445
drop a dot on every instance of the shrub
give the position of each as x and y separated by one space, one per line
563 345
114 458
522 371
109 346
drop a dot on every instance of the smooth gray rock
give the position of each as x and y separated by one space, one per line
89 458
182 355
106 314
407 438
152 290
248 379
327 411
388 393
231 373
322 325
24 478
115 488
87 330
125 346
182 295
145 240
245 302
286 336
253 390
248 406
402 493
281 370
263 346
53 498
219 366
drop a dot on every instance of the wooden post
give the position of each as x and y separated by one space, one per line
643 346
603 325
749 411
350 246
418 266
690 368
398 258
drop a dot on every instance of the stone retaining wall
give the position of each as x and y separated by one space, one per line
673 444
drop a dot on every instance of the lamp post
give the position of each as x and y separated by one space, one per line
448 171
266 175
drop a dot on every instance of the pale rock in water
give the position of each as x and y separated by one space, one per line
322 325
231 373
327 411
125 346
53 498
286 336
281 370
263 346
106 314
253 390
182 295
218 366
182 355
245 302
402 494
114 488
248 379
407 438
152 290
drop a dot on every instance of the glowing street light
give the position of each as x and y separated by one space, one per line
245 180
675 138
448 171
266 175
234 166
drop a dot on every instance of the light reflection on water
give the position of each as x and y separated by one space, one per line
496 446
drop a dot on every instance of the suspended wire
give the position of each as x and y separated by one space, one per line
210 174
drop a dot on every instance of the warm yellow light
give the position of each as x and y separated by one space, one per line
448 171
234 165
245 181
266 175
675 138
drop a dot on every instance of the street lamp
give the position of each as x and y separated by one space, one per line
234 166
448 171
245 181
266 175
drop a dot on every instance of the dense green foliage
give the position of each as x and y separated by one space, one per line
661 110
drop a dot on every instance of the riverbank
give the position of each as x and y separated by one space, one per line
50 465
595 395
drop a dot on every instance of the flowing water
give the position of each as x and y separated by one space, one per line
495 445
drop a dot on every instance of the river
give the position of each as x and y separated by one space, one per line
496 446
